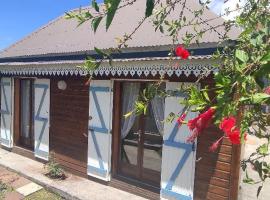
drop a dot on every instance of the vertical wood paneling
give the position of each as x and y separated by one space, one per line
213 169
69 124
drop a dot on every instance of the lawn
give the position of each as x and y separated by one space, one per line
4 189
43 195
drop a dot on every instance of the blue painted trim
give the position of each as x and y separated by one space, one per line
41 153
98 129
99 171
179 145
83 56
3 84
37 117
174 132
100 161
5 112
175 195
99 89
178 169
94 91
173 93
5 141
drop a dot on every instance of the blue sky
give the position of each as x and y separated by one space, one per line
18 18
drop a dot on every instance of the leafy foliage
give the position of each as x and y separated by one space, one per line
244 64
54 170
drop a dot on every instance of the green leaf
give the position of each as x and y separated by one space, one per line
95 5
95 23
259 190
259 97
248 180
98 51
112 7
263 149
149 7
266 57
264 69
241 55
128 114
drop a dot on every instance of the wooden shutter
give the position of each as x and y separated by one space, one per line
6 112
178 157
99 137
42 115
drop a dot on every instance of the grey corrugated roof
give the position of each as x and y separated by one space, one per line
62 36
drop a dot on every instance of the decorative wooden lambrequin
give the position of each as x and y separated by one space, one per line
6 112
99 137
178 157
42 115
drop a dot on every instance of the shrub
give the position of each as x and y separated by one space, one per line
54 170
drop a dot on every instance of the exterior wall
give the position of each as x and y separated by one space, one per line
68 140
213 170
69 124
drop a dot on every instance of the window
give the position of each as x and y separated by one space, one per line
26 138
140 137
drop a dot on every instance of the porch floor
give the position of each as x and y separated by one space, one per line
73 187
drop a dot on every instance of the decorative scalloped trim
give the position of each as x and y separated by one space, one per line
136 68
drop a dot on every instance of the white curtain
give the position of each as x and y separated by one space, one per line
25 105
158 104
130 95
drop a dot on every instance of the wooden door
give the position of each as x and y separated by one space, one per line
69 123
140 150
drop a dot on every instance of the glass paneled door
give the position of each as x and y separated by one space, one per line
140 137
26 113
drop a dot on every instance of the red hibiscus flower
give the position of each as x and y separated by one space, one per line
182 52
215 145
181 119
199 123
234 136
228 125
267 90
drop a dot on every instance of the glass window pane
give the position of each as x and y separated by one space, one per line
129 145
25 108
152 143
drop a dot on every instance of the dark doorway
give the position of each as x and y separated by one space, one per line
26 114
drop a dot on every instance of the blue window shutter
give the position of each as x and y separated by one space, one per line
42 118
99 137
178 157
6 112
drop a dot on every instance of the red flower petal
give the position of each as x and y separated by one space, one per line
215 145
199 123
227 124
182 52
234 136
185 54
181 119
179 50
267 90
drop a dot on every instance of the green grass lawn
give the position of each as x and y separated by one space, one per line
43 195
4 189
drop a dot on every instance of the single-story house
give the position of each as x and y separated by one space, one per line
47 106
